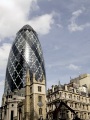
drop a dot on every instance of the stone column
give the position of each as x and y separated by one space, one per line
83 116
73 105
87 116
69 115
7 113
79 114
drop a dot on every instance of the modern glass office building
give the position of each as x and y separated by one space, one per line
25 53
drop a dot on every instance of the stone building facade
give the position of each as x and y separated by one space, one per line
73 97
34 105
8 110
83 79
27 104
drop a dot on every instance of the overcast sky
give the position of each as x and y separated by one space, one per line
63 28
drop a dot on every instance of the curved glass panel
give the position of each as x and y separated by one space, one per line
25 53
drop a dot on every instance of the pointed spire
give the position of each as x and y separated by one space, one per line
33 77
43 77
27 73
59 85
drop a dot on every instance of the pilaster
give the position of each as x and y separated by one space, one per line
27 96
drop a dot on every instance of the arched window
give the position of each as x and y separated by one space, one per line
40 111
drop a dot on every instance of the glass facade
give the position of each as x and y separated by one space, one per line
25 53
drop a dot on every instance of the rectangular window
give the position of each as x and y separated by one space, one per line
39 89
30 89
39 98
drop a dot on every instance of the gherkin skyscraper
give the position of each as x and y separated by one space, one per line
25 53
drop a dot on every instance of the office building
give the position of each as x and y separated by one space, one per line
25 53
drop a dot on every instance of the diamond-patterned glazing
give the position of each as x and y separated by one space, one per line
25 52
